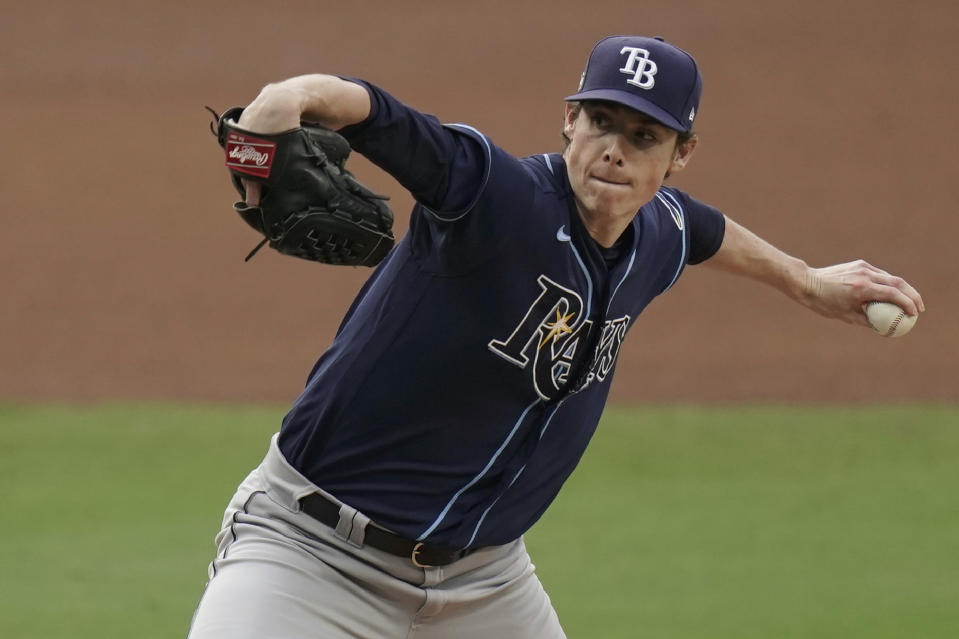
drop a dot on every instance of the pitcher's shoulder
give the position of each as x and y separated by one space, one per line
548 170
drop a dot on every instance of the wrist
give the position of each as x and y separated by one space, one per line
807 283
328 99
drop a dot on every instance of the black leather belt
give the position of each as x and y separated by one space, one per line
421 554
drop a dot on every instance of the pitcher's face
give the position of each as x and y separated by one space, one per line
617 157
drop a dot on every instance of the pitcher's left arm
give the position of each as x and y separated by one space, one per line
839 292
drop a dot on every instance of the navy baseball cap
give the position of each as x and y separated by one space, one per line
647 74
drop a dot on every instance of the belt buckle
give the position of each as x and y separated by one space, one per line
414 556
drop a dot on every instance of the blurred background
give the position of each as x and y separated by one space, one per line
827 128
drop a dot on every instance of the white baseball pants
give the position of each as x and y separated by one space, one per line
281 574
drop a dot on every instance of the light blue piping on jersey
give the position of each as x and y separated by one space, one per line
473 481
489 166
675 206
515 477
542 432
445 511
548 164
549 419
488 508
632 258
589 280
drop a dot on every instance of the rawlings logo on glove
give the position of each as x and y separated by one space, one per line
249 155
310 206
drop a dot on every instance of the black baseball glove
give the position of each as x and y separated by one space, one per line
310 206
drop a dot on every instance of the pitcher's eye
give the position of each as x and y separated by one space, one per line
645 135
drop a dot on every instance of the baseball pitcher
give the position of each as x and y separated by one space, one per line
470 373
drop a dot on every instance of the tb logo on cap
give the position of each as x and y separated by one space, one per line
640 67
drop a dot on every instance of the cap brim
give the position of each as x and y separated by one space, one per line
631 100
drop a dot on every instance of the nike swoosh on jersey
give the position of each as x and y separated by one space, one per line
562 235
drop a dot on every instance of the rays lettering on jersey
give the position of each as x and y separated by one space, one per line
550 335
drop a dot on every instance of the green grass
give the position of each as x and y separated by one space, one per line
109 514
765 523
681 522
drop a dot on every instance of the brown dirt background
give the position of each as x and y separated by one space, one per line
829 128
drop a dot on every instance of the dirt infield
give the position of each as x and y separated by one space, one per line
826 127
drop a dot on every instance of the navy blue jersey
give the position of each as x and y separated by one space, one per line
471 371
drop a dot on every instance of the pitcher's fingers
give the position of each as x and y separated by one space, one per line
907 290
913 294
897 291
252 190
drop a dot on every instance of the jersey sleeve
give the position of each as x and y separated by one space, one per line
443 167
707 227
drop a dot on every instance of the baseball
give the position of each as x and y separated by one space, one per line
889 320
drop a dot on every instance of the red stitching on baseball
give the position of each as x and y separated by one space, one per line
895 324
